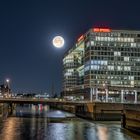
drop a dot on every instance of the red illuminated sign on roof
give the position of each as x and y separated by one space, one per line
101 30
80 38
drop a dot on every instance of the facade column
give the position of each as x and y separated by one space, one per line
96 94
106 92
93 92
127 93
91 96
136 96
122 95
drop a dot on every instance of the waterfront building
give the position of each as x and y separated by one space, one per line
103 64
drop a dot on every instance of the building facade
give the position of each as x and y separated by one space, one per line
103 61
5 91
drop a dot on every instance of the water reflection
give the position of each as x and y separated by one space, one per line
102 133
31 123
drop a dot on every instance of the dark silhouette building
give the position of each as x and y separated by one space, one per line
5 91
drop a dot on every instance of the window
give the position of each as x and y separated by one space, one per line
95 67
87 68
99 62
133 44
127 68
126 58
110 67
117 53
92 43
87 44
119 68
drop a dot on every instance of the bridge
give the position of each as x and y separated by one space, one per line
86 109
41 101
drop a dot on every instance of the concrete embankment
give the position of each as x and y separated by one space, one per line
131 117
94 111
98 111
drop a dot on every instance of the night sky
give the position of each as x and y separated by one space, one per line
27 28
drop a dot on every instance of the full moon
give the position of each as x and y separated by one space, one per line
58 41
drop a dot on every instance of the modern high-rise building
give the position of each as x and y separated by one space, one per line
103 61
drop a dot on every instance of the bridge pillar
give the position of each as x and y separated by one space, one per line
122 95
136 96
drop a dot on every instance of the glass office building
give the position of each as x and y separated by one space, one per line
103 59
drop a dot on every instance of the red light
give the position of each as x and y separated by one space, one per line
81 38
96 30
101 30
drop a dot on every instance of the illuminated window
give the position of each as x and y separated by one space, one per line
117 53
119 68
110 67
119 39
86 68
138 59
99 62
70 70
87 44
126 58
115 82
132 83
67 74
125 40
95 67
94 62
131 77
133 44
127 68
92 43
131 39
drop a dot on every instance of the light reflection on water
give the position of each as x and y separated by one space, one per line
30 123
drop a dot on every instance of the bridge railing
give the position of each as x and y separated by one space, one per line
61 100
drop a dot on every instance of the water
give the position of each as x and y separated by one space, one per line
41 123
